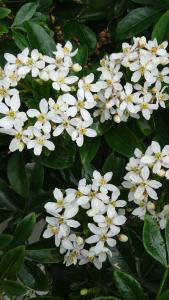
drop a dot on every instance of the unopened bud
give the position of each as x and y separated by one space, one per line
142 42
73 88
84 292
116 119
76 68
123 238
21 146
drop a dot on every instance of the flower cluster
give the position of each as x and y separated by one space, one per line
131 83
81 240
147 173
134 81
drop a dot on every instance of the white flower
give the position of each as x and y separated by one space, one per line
129 99
66 50
65 123
86 87
7 93
13 118
15 62
89 256
32 64
145 185
82 130
162 97
111 81
57 107
100 237
40 141
61 202
156 49
146 105
61 81
161 76
143 67
102 182
42 116
79 196
18 142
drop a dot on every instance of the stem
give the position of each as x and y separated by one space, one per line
163 282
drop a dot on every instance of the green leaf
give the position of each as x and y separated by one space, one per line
7 197
12 288
5 240
12 261
167 237
44 256
24 229
128 287
160 31
115 164
82 55
47 298
33 277
39 38
106 298
17 174
122 140
4 12
164 296
145 126
153 240
3 29
62 157
137 21
151 2
25 13
89 149
20 40
35 173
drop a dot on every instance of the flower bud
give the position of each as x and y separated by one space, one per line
162 173
123 238
21 146
117 119
76 68
150 206
84 292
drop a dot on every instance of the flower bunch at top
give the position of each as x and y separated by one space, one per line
88 237
147 172
134 81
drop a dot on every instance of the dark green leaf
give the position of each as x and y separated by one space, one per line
20 40
33 277
35 173
160 31
24 229
153 240
4 12
164 296
13 288
12 261
44 256
39 38
62 157
82 55
3 29
25 13
47 298
122 140
136 21
167 237
7 197
89 149
144 126
115 164
106 298
17 174
151 2
128 287
5 240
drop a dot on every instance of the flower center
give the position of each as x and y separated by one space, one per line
41 118
108 221
87 86
82 131
144 105
61 220
65 123
78 194
104 238
3 92
142 69
80 104
40 141
109 82
102 181
18 135
12 114
154 50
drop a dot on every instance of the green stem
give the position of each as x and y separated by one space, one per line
163 282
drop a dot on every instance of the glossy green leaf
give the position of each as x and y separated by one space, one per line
32 276
25 13
35 173
17 174
89 149
167 237
44 256
47 298
164 296
8 199
62 157
122 140
151 2
13 288
4 12
106 298
160 31
145 126
5 240
115 164
82 55
136 21
20 40
3 29
128 287
39 38
24 229
12 261
153 240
